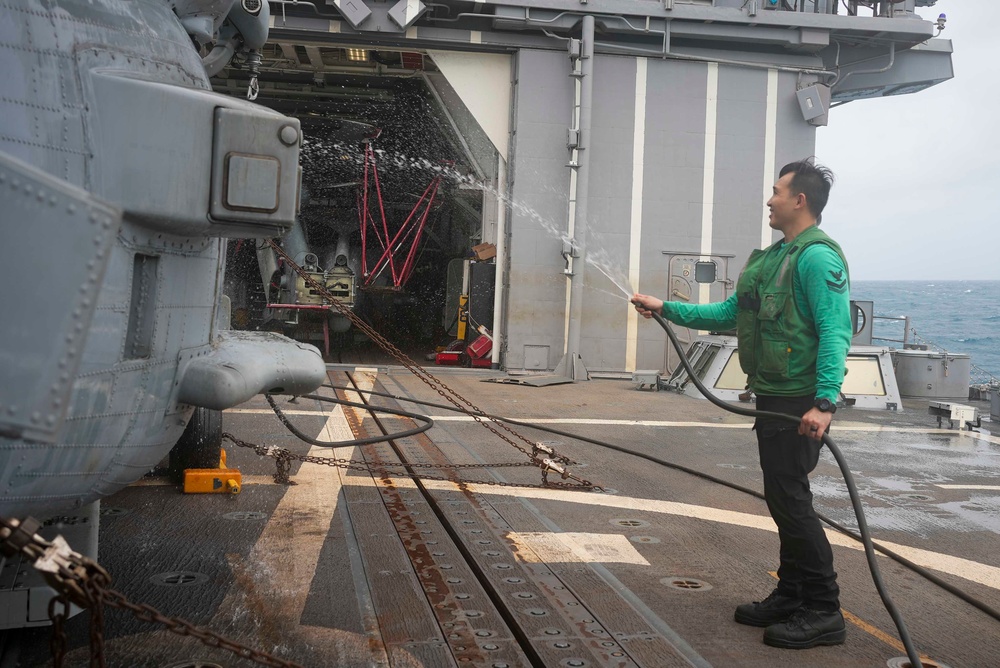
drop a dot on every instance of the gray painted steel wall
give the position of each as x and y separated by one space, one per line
673 191
674 171
539 187
602 337
676 195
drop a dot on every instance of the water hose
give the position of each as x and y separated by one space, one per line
427 423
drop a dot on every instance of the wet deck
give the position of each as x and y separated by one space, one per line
346 568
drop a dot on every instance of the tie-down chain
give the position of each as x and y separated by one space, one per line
555 463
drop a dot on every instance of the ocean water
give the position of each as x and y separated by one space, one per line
957 316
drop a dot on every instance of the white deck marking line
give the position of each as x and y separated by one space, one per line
989 487
837 426
966 569
275 578
282 563
268 411
598 421
469 418
878 428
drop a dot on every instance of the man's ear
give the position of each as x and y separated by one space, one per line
800 200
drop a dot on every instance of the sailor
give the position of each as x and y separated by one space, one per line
791 311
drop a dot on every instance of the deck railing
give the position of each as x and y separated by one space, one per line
979 375
905 319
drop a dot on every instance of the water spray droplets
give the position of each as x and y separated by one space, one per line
601 260
597 257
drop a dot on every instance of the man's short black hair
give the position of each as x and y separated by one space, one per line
812 180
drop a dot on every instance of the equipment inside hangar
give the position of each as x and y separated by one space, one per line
395 178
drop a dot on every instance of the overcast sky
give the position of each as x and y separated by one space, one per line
918 176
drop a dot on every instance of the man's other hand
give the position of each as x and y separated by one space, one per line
646 305
815 423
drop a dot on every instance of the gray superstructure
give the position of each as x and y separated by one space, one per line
666 142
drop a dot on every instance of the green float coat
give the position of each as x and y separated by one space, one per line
778 343
796 343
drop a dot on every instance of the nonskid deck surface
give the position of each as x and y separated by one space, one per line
347 568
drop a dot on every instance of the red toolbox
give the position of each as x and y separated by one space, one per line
480 348
449 357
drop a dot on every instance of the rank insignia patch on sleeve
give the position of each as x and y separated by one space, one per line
839 283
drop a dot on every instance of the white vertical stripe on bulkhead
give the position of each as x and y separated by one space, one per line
708 183
770 148
635 231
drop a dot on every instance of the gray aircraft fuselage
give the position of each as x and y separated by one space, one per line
121 175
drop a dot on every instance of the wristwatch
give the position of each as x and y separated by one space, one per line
826 406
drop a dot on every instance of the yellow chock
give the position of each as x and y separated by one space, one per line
213 481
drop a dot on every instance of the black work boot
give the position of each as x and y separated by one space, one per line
807 628
773 609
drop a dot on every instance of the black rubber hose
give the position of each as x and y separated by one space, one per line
852 490
919 570
427 423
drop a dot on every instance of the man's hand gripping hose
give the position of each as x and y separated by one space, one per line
852 489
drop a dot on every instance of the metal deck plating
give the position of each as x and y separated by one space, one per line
347 568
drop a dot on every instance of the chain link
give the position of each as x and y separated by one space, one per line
57 643
284 465
283 457
93 589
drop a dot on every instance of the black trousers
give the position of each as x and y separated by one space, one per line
786 458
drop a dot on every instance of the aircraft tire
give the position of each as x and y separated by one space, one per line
200 446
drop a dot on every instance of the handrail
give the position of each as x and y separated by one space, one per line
905 319
906 341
